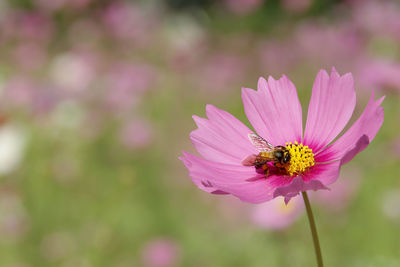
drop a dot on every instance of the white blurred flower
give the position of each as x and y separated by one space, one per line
390 204
183 33
68 115
72 71
12 145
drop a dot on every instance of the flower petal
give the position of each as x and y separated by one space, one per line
317 178
332 103
357 138
325 173
296 186
222 138
240 181
274 110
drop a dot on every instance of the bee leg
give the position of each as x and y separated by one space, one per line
280 167
266 170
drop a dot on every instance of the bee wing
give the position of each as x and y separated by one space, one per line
249 160
260 143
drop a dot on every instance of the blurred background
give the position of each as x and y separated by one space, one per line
95 109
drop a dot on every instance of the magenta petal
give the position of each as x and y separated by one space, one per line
254 192
357 138
331 106
222 137
240 181
296 186
317 178
325 173
217 171
361 144
274 110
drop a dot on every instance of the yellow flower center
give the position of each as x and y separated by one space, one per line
301 158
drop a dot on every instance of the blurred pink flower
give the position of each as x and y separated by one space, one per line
379 74
243 7
275 113
73 72
341 193
130 22
276 215
25 26
340 43
14 220
275 57
136 77
23 93
220 72
125 83
296 6
29 56
160 252
377 17
19 91
136 134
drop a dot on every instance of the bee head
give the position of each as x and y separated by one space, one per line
286 157
282 154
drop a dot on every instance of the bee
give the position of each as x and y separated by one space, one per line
279 155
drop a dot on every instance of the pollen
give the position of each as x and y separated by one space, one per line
301 158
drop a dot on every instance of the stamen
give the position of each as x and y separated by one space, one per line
301 158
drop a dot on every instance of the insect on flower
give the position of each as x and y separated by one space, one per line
278 158
279 155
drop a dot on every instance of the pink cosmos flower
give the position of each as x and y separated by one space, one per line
276 115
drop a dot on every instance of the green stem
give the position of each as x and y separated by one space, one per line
313 230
